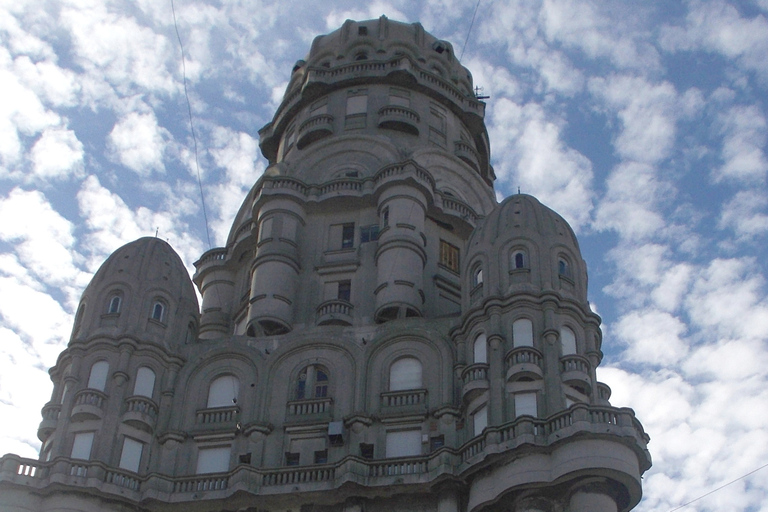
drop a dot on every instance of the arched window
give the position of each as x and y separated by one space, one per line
98 377
477 275
522 333
518 259
145 382
114 304
563 267
481 349
405 373
567 341
223 391
312 382
158 311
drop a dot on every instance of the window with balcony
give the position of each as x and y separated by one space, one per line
567 341
98 376
403 443
312 382
405 373
130 457
525 405
522 333
213 460
145 382
81 446
223 392
480 349
480 420
449 256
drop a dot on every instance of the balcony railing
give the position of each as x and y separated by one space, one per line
577 423
408 397
89 404
310 406
335 312
217 415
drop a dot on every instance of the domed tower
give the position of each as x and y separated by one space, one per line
136 313
377 333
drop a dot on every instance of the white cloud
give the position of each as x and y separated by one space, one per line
631 202
647 112
531 154
57 154
744 136
139 143
746 215
653 337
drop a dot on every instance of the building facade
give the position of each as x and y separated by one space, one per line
378 333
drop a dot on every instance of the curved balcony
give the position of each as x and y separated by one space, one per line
50 414
314 129
335 312
312 409
404 401
467 153
524 363
402 119
89 405
603 393
574 370
217 415
140 412
559 440
475 377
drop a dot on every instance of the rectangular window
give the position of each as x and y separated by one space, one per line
437 124
404 443
213 460
81 447
291 458
449 256
436 442
525 405
318 109
130 458
321 457
366 450
369 233
345 291
399 97
357 104
347 236
480 420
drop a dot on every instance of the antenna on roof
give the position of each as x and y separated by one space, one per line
479 93
156 231
518 190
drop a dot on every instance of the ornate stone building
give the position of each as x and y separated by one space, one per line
378 333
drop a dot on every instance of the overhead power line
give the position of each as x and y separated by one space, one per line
469 31
721 487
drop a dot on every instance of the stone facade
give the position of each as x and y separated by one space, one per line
377 334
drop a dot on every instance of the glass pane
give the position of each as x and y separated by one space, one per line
223 391
131 456
405 373
404 443
568 340
81 448
213 460
98 377
525 404
481 349
145 382
480 420
522 333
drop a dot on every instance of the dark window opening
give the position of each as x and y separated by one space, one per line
157 312
369 233
245 458
251 331
411 313
114 305
436 442
291 459
362 31
352 174
385 217
347 236
321 384
519 260
366 450
321 457
345 290
361 56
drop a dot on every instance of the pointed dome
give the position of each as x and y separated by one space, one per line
142 289
535 248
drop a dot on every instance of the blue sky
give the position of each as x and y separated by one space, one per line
642 123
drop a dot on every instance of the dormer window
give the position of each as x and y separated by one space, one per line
114 305
362 31
158 311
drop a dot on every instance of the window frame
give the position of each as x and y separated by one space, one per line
449 256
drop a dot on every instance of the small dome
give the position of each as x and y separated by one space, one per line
526 244
141 289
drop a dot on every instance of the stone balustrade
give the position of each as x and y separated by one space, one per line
217 415
578 422
408 397
310 406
